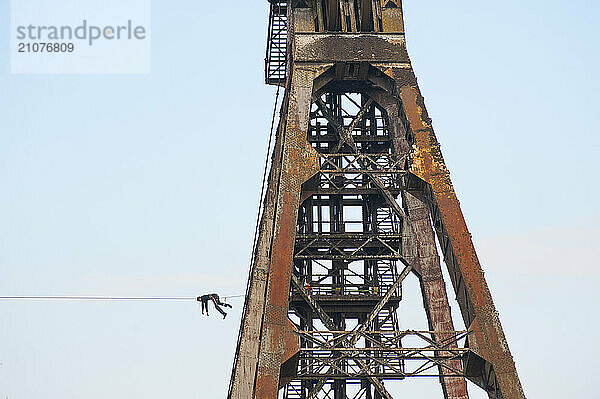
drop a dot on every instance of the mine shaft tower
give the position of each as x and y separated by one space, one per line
356 194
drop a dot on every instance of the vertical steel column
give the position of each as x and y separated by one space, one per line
278 343
433 289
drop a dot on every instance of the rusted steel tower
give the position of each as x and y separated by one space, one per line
357 192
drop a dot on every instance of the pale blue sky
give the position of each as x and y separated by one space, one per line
148 185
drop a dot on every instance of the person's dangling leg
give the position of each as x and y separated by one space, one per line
218 307
205 304
224 304
216 298
220 310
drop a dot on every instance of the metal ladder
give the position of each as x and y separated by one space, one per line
276 58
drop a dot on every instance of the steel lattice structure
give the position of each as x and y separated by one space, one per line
357 192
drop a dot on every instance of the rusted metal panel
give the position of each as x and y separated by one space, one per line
392 17
331 47
304 20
